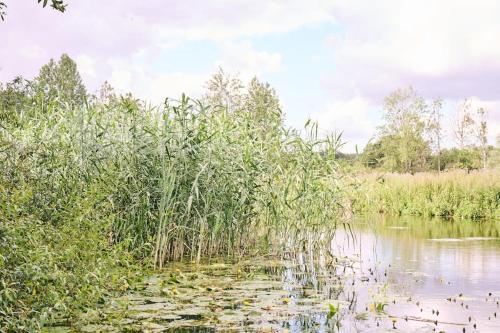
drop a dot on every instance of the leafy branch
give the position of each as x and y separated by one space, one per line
58 5
2 10
55 4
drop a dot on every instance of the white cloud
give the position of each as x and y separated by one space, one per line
32 51
136 74
129 75
353 117
86 66
243 58
173 85
227 19
385 43
445 49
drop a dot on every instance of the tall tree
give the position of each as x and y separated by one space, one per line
464 125
404 116
61 82
464 129
224 90
15 96
262 102
435 129
481 132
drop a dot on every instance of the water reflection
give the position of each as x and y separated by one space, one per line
432 261
404 274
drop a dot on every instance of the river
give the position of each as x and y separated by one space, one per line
378 274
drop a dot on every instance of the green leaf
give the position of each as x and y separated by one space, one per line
333 311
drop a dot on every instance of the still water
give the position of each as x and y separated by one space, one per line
375 275
445 266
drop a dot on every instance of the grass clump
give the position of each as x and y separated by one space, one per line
453 194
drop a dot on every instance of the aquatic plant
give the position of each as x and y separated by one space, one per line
85 190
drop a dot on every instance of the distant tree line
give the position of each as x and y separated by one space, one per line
59 84
410 139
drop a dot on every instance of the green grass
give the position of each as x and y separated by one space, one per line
453 194
89 194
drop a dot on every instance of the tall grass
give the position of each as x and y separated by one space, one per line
83 190
452 194
191 180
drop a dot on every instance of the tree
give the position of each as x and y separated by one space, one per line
466 158
373 155
464 124
482 135
403 131
61 82
434 129
14 98
224 90
58 5
107 94
262 102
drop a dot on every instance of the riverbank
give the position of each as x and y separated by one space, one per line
452 194
92 197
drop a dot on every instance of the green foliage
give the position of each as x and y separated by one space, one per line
203 180
60 82
14 98
404 128
410 139
467 159
54 223
402 146
451 195
263 104
373 155
87 189
332 311
58 5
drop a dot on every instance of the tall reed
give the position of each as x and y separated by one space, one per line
452 194
183 180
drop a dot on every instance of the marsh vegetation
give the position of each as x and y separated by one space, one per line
109 204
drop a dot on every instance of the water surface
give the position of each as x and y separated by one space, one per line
379 274
448 266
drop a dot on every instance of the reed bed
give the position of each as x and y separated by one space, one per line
86 194
452 194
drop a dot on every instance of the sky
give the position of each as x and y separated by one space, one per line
331 61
